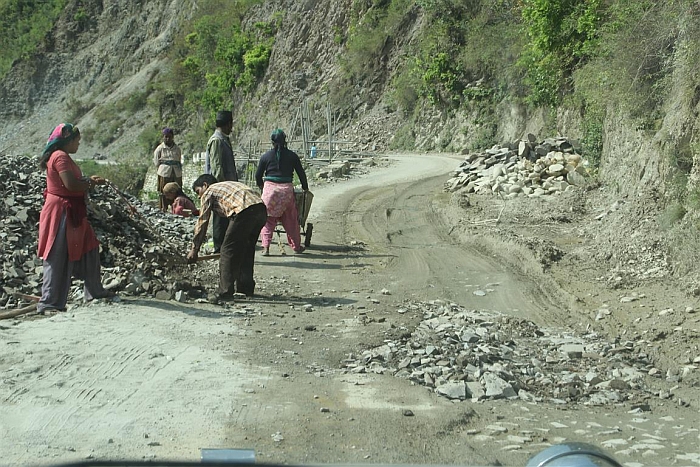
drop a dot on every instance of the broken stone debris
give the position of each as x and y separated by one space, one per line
337 169
475 355
140 254
522 169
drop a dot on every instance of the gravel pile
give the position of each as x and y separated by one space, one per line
476 355
525 168
142 248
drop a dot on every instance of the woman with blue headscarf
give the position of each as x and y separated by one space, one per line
67 243
274 176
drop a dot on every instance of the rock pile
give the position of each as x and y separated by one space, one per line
470 354
371 133
344 169
141 252
532 169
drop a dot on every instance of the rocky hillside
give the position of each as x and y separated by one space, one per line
99 68
96 63
125 46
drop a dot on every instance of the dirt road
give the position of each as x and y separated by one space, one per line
146 379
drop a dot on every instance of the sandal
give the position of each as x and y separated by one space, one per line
107 295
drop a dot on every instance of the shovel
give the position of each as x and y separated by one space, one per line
172 260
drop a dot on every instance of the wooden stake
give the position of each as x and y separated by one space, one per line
19 311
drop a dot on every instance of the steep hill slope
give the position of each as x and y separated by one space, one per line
101 73
98 70
91 64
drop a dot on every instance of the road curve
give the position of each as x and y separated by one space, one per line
393 212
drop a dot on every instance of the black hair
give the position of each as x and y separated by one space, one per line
209 179
279 138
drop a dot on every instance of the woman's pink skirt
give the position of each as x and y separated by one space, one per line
278 197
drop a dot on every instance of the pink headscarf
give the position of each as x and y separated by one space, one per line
61 135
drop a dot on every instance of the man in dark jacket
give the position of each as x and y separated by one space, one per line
221 163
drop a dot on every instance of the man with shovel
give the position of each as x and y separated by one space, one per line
247 215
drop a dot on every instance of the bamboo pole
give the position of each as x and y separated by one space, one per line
307 127
304 135
330 132
294 122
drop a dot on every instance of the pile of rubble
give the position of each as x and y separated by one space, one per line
523 169
142 249
468 354
343 169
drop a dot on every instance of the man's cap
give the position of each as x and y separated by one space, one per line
224 116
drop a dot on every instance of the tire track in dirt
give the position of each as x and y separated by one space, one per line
142 379
426 263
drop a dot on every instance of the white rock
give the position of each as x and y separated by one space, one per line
453 390
555 169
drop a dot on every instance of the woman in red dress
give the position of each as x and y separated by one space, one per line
67 243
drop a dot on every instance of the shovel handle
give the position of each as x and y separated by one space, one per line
31 298
19 311
208 257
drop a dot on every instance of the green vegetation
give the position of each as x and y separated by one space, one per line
466 61
404 92
76 108
462 59
440 79
338 36
404 138
602 53
81 17
631 66
23 25
111 119
561 35
671 215
127 175
149 139
463 43
592 57
216 57
484 134
681 194
592 138
375 25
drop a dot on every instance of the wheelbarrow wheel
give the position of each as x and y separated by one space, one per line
307 234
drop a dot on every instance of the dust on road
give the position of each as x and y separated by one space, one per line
145 379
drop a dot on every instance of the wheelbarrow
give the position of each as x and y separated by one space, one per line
303 200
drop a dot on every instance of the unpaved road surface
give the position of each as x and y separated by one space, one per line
147 379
